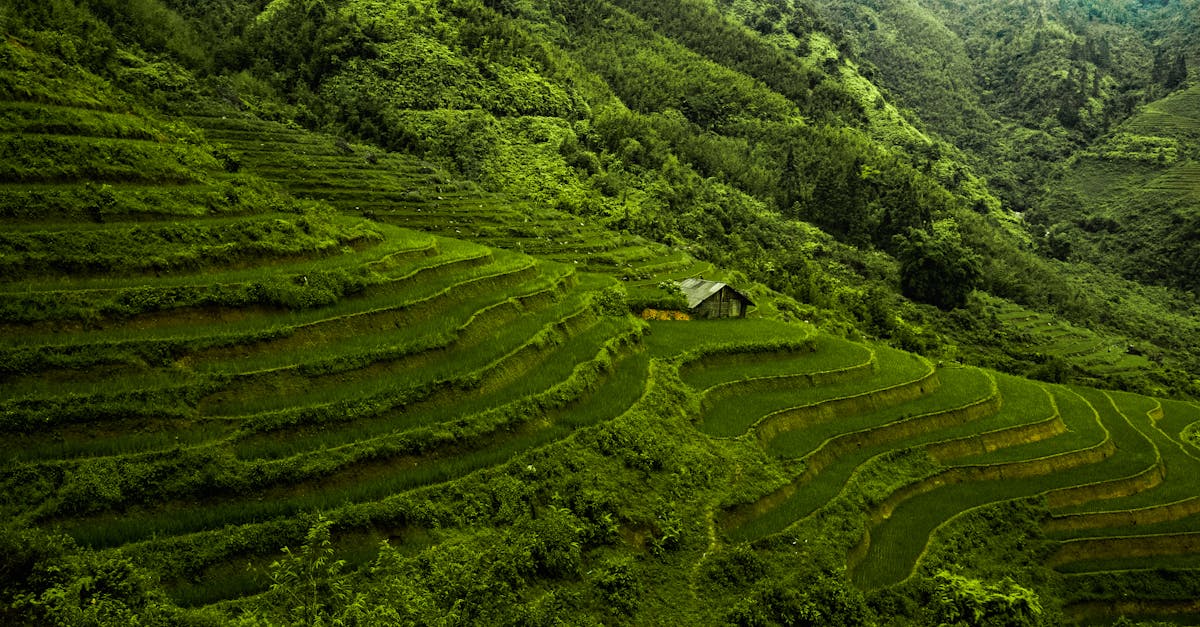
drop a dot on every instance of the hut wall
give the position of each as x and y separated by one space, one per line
724 304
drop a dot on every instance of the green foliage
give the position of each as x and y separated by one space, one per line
49 581
498 420
620 585
936 268
807 596
307 586
960 600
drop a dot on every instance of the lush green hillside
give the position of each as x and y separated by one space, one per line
1130 200
356 279
1019 85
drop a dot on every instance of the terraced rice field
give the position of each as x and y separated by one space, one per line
198 362
401 190
187 348
1091 352
965 440
1176 112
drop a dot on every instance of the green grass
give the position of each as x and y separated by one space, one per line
55 158
1084 430
854 443
1133 444
1104 566
734 416
828 354
412 361
357 484
43 203
75 357
26 117
113 439
552 369
144 248
1097 354
1177 418
959 387
349 258
102 301
1169 548
898 542
1024 404
672 339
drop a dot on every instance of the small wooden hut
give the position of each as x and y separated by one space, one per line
710 299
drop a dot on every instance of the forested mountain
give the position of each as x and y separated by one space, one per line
325 273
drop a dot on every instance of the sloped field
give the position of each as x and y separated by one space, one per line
204 352
188 349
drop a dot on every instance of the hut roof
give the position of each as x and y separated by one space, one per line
698 291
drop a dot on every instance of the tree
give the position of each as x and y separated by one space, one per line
307 585
935 267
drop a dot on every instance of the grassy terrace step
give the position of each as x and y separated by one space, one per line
102 300
663 261
964 395
1142 523
900 377
471 336
370 470
909 517
137 248
71 202
1180 422
437 214
235 122
362 181
1115 553
695 269
700 343
1121 547
397 189
391 168
1155 592
1139 487
249 154
266 375
56 158
1094 353
414 296
540 245
49 119
480 380
830 452
604 400
346 477
614 395
446 217
520 401
772 413
153 342
268 136
626 257
827 358
387 191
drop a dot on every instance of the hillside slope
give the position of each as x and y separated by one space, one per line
224 335
1130 200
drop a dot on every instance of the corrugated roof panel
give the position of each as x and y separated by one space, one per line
698 290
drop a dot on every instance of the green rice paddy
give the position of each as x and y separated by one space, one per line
193 404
